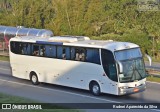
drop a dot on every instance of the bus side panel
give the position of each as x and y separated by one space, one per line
19 66
77 74
61 72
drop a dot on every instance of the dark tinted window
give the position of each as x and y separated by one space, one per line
13 47
35 50
50 51
42 50
61 52
92 56
16 47
66 53
26 48
80 54
109 65
38 50
72 53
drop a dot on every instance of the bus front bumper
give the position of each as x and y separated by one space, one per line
131 90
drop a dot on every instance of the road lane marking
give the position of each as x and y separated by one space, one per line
5 69
4 61
111 101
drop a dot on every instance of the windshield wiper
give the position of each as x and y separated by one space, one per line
135 70
132 75
138 73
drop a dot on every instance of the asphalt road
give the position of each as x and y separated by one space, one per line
48 93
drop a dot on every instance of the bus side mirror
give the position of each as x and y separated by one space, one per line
120 66
150 59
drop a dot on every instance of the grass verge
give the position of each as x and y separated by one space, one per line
14 99
153 79
4 58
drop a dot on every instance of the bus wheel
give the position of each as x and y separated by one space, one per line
95 88
34 78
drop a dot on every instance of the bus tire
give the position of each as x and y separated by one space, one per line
95 88
34 78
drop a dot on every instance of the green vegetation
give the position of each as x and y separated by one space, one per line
153 79
14 99
100 19
4 58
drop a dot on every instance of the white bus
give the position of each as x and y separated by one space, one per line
76 61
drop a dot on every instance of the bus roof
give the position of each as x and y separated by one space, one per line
79 41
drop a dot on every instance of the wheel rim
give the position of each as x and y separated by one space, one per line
34 79
95 89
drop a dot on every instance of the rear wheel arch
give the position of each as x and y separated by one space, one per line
34 78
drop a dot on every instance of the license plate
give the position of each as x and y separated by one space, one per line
136 90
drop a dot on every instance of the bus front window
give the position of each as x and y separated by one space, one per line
133 65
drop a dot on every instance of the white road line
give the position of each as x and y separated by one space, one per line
5 69
4 61
111 101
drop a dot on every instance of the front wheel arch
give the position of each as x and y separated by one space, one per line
94 87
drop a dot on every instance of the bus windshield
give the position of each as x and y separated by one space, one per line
133 65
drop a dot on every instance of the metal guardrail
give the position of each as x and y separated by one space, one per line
153 72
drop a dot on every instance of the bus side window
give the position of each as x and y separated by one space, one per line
96 57
42 50
47 50
64 53
17 48
25 49
72 53
20 49
50 51
28 49
77 54
53 51
13 47
82 55
35 50
67 52
93 56
59 52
